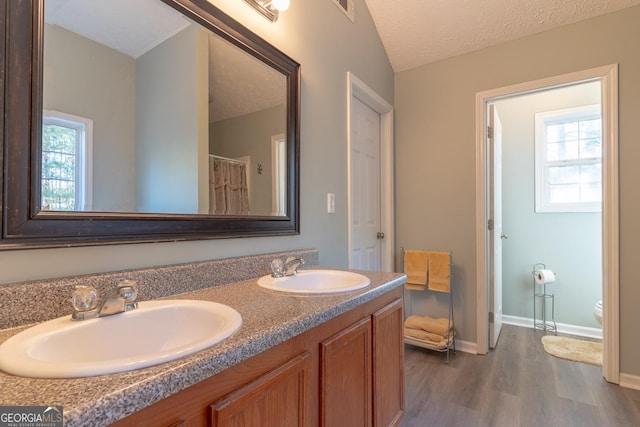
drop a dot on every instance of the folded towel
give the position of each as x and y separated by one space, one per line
421 334
415 267
439 342
439 271
439 326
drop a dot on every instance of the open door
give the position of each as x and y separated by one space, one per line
495 226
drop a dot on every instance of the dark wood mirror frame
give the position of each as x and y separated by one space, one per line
25 226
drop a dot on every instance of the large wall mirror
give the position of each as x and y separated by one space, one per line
146 120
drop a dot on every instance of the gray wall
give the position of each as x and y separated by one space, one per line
87 79
435 148
327 45
250 135
568 243
172 137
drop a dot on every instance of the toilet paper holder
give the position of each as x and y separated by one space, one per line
541 277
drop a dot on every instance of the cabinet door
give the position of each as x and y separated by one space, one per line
277 399
388 365
345 377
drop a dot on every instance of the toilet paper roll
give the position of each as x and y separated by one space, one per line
544 277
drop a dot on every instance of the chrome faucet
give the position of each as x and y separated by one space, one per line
288 268
120 299
291 265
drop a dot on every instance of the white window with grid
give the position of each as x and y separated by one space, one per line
66 162
568 168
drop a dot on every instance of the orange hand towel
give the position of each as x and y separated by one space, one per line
416 265
439 271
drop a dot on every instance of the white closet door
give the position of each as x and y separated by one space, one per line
365 188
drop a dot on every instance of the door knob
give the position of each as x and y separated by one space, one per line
504 236
380 235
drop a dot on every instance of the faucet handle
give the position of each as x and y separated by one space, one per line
128 290
84 298
277 268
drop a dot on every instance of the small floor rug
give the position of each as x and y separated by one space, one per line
573 349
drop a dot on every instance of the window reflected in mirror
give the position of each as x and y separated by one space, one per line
67 162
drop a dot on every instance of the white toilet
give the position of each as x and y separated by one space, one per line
597 311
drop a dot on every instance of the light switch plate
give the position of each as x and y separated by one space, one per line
331 203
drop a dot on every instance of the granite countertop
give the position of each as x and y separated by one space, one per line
268 318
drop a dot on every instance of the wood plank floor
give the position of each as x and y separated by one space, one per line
518 384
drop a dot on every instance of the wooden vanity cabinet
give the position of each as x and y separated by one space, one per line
346 377
347 371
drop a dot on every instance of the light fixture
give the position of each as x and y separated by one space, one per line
270 9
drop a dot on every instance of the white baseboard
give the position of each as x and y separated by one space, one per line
563 328
466 347
630 381
472 347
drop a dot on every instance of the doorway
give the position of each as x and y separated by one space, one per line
607 76
370 217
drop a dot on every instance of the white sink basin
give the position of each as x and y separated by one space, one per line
154 333
316 282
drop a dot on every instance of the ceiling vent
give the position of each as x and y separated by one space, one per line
346 6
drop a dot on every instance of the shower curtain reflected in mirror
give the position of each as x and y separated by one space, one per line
228 189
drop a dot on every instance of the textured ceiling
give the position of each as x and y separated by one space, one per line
131 27
417 32
239 83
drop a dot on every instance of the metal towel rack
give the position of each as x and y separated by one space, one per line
450 341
